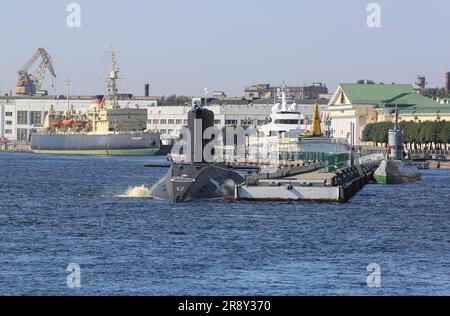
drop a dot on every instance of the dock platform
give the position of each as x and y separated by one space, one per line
312 186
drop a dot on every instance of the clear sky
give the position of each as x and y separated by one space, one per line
180 46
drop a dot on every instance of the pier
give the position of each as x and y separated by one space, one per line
309 184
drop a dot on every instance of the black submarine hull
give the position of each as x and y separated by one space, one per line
195 177
188 182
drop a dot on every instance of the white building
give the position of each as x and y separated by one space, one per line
169 120
19 115
354 106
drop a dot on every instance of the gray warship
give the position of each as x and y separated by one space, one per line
196 178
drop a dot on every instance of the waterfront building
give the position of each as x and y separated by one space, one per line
169 120
20 115
361 104
304 92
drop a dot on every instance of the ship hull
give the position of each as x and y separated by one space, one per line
396 172
187 182
145 144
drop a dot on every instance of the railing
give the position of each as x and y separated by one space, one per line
429 152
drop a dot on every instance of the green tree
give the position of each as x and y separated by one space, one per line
378 132
367 133
174 100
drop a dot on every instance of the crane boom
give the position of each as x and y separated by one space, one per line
28 84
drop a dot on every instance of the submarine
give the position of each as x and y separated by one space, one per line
196 178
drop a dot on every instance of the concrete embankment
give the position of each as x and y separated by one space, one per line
439 165
20 147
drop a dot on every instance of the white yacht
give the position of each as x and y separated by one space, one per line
284 118
292 136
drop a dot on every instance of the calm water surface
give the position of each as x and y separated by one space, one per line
56 210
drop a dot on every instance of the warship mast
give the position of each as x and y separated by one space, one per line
111 95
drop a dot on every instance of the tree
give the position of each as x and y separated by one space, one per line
431 134
367 134
174 100
444 134
378 132
363 81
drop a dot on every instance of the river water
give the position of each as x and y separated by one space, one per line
95 212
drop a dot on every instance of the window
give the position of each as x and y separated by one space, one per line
217 122
8 113
22 133
163 121
8 131
8 122
179 122
171 122
231 122
36 118
246 122
156 122
22 117
170 131
290 122
163 131
185 122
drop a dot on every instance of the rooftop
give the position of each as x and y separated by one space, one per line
74 97
388 96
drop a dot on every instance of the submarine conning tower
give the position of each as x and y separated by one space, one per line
199 120
396 140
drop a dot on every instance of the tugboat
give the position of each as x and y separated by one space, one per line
395 169
104 129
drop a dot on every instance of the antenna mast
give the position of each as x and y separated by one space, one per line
111 95
68 82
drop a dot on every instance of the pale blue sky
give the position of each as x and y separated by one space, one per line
179 46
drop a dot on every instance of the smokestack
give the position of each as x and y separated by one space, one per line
147 90
447 82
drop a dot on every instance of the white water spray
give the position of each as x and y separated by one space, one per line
136 192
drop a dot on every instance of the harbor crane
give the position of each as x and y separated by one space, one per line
30 84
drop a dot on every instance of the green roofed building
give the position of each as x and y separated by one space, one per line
362 104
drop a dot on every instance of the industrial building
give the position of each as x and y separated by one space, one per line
266 91
361 104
